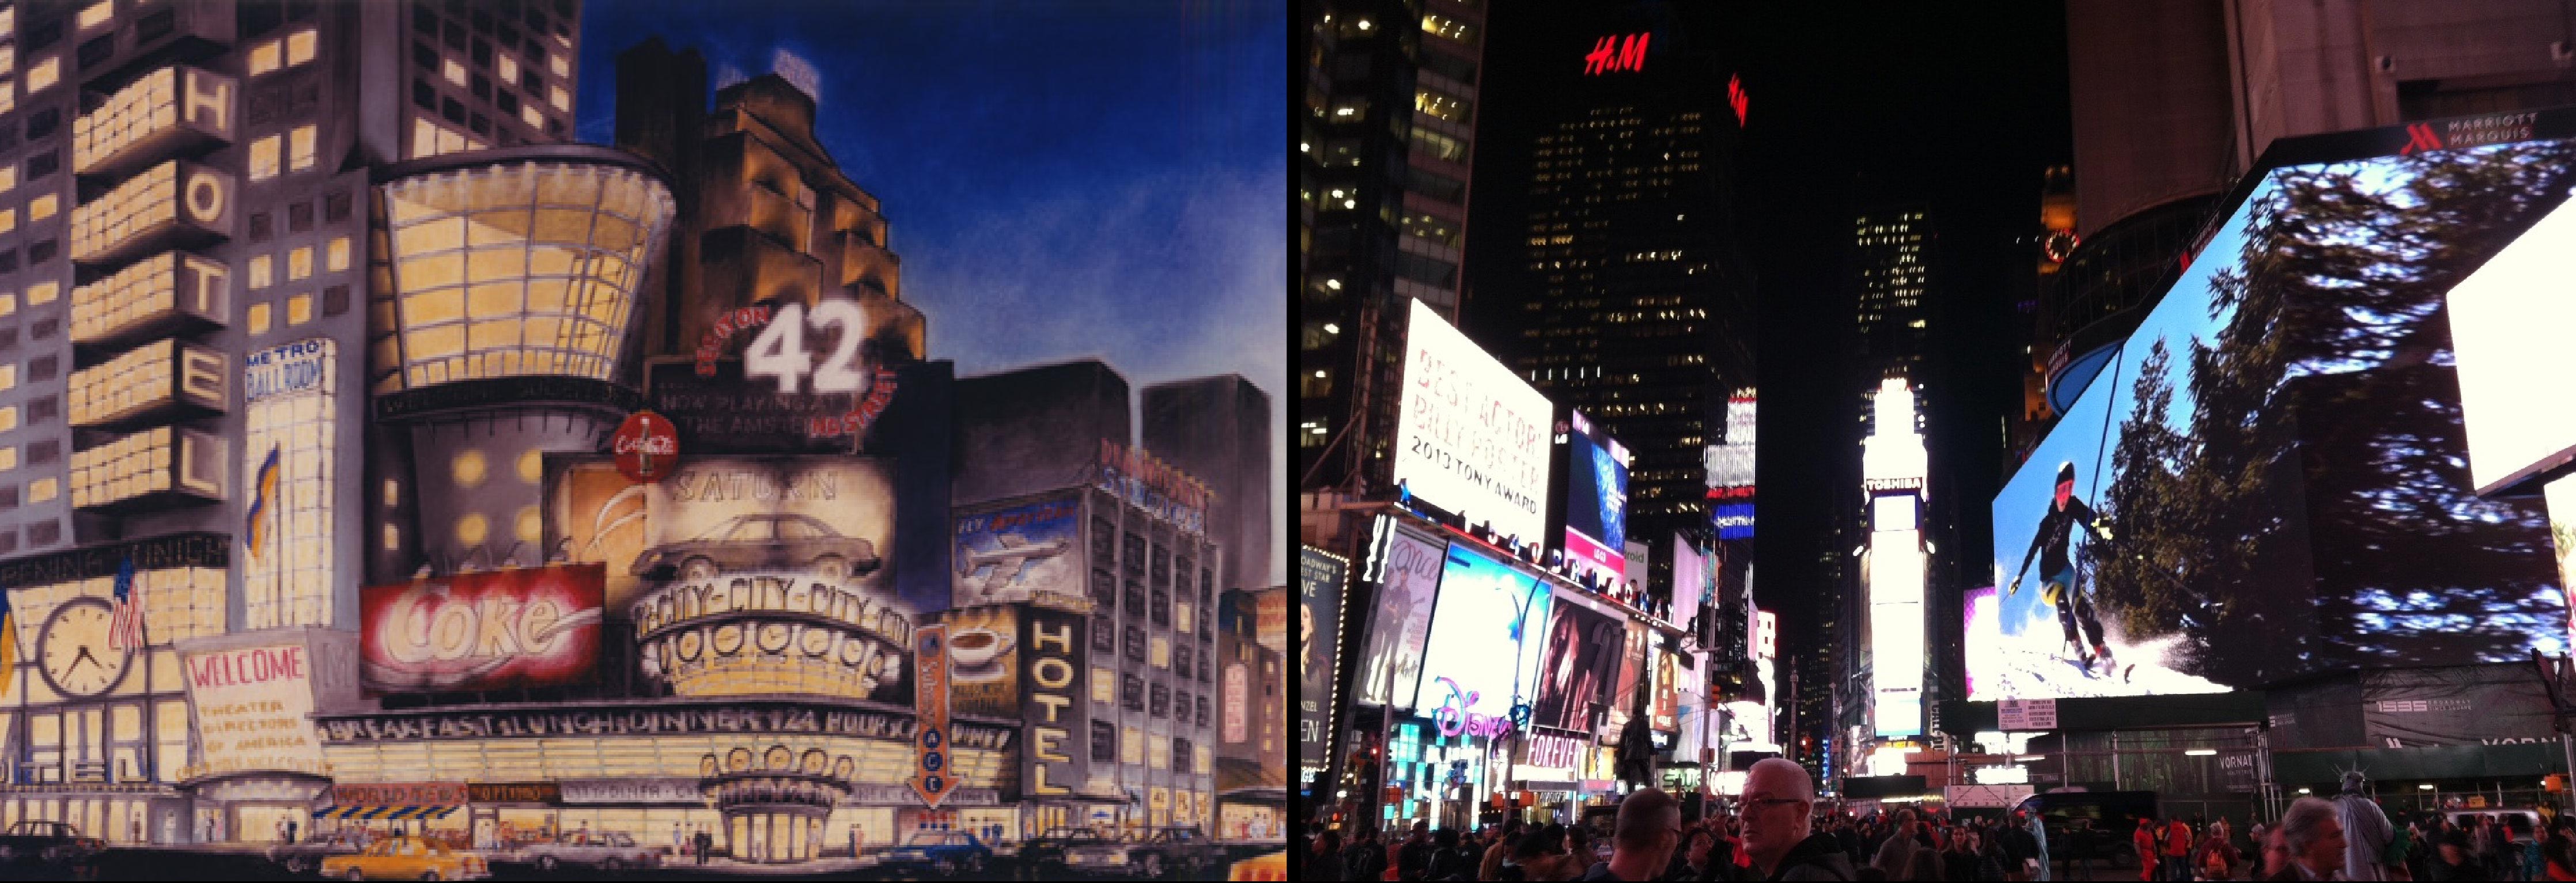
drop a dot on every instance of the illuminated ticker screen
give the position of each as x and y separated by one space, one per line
2271 475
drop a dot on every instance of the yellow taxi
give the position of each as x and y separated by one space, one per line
405 858
1261 867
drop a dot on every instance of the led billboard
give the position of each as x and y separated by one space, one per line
1408 579
2509 321
1471 436
2271 475
1476 657
1596 501
1580 662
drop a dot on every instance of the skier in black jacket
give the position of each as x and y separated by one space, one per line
2057 572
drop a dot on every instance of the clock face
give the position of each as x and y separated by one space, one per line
773 637
817 642
73 652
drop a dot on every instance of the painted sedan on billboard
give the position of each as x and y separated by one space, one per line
505 629
2271 475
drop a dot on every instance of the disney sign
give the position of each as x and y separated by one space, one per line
1452 717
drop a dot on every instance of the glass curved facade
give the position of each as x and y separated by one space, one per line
513 269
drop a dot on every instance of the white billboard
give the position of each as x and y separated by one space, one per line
1892 470
1471 437
2509 326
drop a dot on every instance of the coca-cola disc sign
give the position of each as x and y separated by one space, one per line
646 447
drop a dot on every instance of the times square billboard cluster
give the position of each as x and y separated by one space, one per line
418 492
1507 652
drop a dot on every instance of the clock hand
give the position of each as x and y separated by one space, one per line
84 654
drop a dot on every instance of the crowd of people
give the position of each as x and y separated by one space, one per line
1774 833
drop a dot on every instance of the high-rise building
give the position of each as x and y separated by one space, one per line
1385 148
1219 427
200 196
2174 101
766 215
1634 303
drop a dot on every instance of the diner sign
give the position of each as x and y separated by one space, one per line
542 722
662 792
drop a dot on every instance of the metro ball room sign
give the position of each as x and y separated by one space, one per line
1471 437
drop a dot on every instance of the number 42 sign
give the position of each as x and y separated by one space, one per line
779 353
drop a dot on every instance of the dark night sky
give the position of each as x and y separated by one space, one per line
1079 178
1961 106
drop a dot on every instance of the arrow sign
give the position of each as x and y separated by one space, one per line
932 776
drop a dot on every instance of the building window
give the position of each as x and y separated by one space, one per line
42 207
455 73
301 150
336 255
259 272
299 217
1104 742
44 122
1104 633
1161 607
259 227
335 207
263 158
1136 644
263 57
299 263
1131 691
424 57
1161 706
300 46
43 164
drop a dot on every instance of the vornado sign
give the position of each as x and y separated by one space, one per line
1053 655
1471 437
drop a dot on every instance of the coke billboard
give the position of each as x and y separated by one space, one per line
482 631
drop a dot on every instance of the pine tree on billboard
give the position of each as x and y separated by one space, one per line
2325 408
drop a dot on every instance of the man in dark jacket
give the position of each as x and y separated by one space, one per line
1364 859
1413 858
1779 826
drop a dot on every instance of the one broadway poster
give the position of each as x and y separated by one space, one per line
1319 583
1408 580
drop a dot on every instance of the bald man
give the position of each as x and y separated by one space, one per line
1779 826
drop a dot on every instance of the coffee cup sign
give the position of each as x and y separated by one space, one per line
977 648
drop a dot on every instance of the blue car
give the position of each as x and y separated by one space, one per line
942 852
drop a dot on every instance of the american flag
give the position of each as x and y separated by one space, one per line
127 631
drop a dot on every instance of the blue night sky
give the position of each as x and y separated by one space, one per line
1090 179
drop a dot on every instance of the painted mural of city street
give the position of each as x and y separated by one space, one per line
608 491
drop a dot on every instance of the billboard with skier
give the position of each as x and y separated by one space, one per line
2269 477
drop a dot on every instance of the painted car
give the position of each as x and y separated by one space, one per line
406 858
755 542
611 851
52 845
1045 852
942 852
306 856
1158 850
1260 868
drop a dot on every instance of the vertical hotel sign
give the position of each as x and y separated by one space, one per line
931 776
288 464
1053 653
254 709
